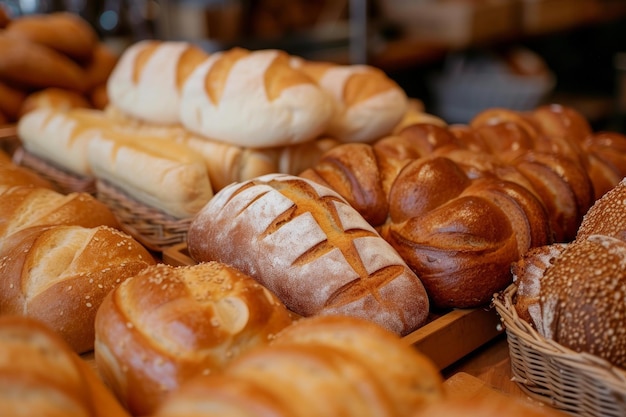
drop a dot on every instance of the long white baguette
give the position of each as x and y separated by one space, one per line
155 171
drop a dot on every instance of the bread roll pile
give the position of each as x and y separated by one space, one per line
461 203
574 293
53 60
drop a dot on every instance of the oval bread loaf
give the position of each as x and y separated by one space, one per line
279 104
60 274
311 248
167 324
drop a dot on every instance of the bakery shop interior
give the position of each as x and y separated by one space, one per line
295 208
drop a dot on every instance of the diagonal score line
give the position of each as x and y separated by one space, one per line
307 200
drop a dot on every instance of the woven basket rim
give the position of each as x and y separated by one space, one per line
587 363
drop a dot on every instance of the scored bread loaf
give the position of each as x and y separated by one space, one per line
316 367
168 324
40 375
60 136
253 99
25 206
157 172
147 81
311 248
57 98
13 175
59 275
368 104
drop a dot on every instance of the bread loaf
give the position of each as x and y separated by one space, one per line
311 248
12 175
31 65
324 372
580 302
40 375
606 216
60 274
61 136
147 81
56 98
66 33
156 172
167 324
26 206
368 104
253 99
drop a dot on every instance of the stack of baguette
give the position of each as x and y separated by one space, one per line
52 60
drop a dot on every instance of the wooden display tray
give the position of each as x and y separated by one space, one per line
446 338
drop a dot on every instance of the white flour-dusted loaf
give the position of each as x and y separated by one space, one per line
311 248
368 104
147 81
254 99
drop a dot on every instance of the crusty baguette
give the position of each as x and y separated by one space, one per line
15 175
155 171
57 98
26 206
253 99
60 274
368 104
168 324
309 246
40 375
147 81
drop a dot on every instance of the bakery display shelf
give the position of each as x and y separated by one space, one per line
446 338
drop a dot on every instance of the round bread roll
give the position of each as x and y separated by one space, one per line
168 324
66 33
254 99
40 375
25 206
60 274
147 81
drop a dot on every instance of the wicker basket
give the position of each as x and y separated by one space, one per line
65 181
153 228
578 383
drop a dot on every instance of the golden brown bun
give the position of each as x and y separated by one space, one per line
31 65
310 247
56 98
492 406
168 324
66 33
60 274
40 375
317 370
25 206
